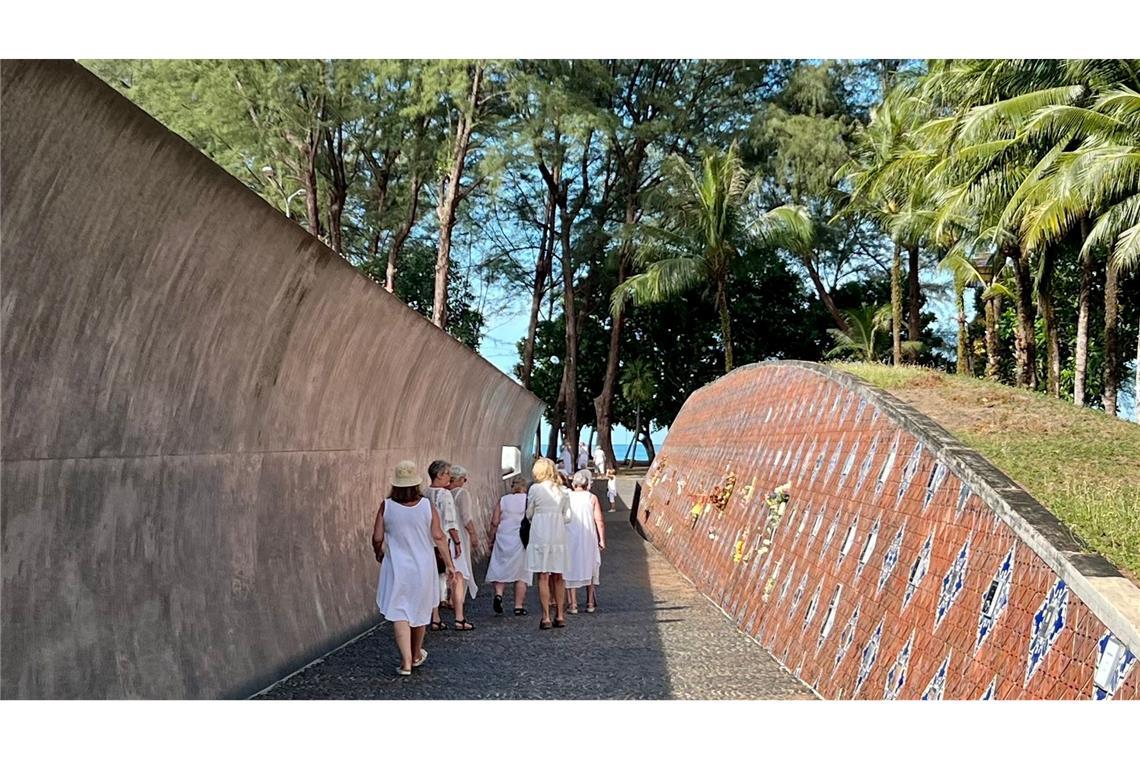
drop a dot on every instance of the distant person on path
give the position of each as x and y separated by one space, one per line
583 456
585 540
599 462
440 473
508 555
403 534
548 509
611 490
465 578
567 459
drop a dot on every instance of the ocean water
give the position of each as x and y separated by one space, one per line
639 454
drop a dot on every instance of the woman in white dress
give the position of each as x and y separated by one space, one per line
567 459
405 529
469 543
548 509
439 494
585 540
583 456
508 555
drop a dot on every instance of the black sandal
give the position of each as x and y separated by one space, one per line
464 625
438 626
559 623
497 605
544 625
519 611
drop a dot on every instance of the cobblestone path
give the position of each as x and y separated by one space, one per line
654 636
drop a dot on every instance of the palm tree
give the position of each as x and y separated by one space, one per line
638 386
860 341
695 239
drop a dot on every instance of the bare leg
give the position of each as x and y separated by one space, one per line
403 633
418 635
572 598
591 600
544 595
500 588
458 593
559 596
520 595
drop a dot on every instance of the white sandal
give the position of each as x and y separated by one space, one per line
421 660
401 672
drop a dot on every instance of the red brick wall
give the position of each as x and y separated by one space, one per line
777 574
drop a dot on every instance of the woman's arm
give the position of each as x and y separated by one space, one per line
440 542
599 522
463 506
530 503
496 518
450 520
378 533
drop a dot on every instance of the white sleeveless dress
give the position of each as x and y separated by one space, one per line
548 507
408 589
584 558
508 558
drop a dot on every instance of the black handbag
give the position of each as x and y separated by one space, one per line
524 531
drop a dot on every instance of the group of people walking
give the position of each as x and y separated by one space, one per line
424 539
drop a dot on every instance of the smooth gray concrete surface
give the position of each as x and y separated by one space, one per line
201 405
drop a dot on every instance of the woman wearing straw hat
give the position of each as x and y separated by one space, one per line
406 527
548 509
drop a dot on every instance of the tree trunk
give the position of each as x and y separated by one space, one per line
650 451
1111 351
402 234
309 182
1082 352
449 197
993 343
914 294
725 324
630 457
896 306
337 186
556 414
542 269
1049 317
1136 386
1026 342
569 311
604 403
963 365
825 297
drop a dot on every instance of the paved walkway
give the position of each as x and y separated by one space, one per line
654 636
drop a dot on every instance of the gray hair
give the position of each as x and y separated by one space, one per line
437 467
458 471
581 479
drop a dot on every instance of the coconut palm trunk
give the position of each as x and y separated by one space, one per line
1111 350
1049 317
1026 338
896 305
1080 371
725 324
963 365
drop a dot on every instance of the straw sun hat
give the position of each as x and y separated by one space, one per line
406 475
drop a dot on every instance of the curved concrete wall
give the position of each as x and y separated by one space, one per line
902 565
201 404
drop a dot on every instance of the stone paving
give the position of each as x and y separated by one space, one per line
654 636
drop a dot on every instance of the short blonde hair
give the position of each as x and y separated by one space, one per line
543 470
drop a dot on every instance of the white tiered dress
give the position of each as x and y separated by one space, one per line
584 558
508 558
407 589
548 507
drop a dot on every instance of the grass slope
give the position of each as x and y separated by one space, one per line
1081 464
